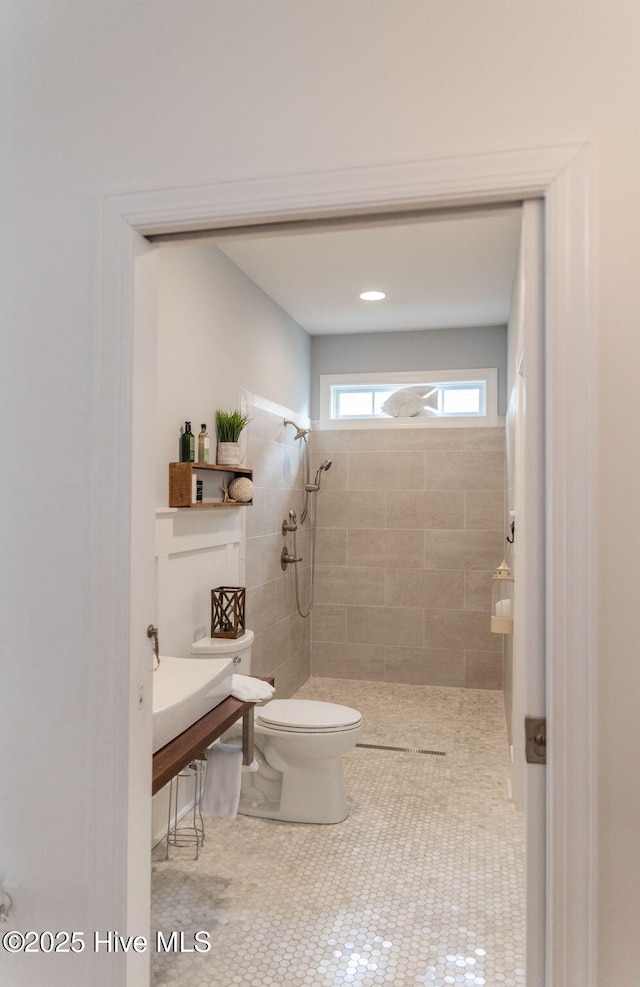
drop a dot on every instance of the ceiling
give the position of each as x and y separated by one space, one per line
443 270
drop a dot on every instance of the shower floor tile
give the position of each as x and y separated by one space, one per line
422 884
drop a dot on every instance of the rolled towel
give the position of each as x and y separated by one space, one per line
221 793
250 690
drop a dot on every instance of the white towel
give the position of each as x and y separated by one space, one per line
222 783
250 690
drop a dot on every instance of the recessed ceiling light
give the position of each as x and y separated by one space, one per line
372 296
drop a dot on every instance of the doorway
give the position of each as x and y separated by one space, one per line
562 182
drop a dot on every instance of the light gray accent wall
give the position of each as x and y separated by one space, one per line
427 349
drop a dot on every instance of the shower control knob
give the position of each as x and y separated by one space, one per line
286 559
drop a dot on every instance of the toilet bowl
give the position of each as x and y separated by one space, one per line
299 744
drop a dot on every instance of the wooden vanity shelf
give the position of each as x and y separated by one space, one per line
181 484
193 742
172 758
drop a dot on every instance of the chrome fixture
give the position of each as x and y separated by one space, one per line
152 633
291 524
286 559
315 486
300 432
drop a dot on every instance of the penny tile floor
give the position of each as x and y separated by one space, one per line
422 884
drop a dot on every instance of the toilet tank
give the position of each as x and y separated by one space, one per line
237 648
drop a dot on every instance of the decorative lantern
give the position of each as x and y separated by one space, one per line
502 600
227 611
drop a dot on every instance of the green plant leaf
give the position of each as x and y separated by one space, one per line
229 424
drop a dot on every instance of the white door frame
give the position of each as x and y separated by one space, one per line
561 177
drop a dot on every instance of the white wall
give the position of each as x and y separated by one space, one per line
113 96
220 340
218 333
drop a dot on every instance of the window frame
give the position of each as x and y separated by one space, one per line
409 378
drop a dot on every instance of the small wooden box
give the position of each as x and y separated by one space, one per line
227 611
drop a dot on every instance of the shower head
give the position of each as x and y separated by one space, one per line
300 432
312 487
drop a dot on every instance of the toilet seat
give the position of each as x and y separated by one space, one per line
307 715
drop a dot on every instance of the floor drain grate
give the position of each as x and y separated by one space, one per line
405 750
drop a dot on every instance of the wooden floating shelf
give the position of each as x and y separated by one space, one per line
181 485
175 755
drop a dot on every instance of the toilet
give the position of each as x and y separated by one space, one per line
297 773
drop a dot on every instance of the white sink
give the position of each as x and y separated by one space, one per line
184 689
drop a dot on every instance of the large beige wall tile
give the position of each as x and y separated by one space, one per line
300 632
329 623
268 461
424 666
348 661
425 509
474 470
484 510
385 548
351 509
349 585
282 637
386 471
453 630
400 626
262 515
483 670
434 589
335 478
485 438
477 591
285 601
421 439
376 586
326 443
463 549
260 606
331 546
263 559
292 673
278 643
260 661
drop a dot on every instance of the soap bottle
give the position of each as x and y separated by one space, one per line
187 445
203 445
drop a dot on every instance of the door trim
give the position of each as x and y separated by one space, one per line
559 175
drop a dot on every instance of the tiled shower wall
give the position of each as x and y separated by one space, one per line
282 643
410 528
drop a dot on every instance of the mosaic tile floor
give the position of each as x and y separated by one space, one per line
422 884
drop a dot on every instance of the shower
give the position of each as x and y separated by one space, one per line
300 432
315 486
291 525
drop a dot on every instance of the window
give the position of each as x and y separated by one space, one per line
462 397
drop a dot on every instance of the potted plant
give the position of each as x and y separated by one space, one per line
229 425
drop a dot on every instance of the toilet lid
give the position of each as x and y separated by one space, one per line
307 714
